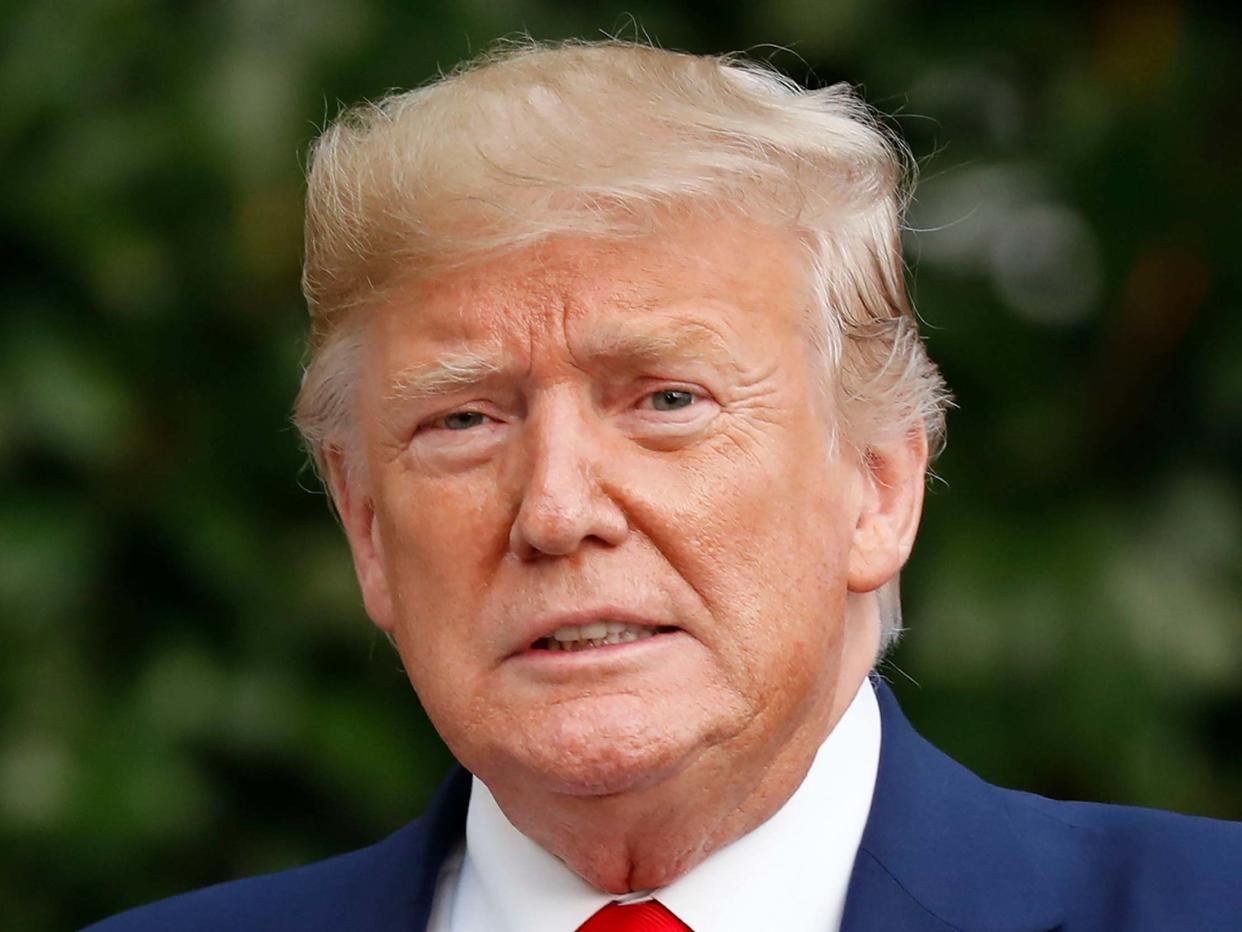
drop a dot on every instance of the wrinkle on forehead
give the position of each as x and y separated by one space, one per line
595 300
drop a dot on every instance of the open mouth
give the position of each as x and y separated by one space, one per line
596 634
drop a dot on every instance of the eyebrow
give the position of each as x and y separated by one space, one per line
687 338
447 373
451 372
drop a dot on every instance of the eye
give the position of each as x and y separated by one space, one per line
670 399
461 420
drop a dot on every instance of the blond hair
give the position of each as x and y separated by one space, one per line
610 139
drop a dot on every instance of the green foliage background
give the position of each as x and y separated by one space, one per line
189 690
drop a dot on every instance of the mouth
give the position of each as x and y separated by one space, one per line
596 634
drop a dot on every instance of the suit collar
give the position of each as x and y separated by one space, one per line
939 851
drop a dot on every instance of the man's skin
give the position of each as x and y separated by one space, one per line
633 431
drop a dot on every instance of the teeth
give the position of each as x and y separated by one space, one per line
595 634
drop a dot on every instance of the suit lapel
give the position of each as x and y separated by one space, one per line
411 865
939 851
877 900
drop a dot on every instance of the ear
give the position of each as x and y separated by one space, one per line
357 512
892 504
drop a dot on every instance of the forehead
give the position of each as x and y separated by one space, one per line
696 268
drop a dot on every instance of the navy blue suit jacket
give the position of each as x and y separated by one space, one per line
942 850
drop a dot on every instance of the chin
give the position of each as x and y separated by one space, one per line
602 747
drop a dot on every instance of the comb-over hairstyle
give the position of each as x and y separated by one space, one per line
613 139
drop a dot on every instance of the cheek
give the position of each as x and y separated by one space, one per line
761 536
440 538
438 531
768 496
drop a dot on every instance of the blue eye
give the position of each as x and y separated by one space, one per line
671 399
461 420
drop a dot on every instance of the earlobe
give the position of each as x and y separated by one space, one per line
892 504
357 513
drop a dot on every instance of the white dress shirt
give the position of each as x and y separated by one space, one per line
790 873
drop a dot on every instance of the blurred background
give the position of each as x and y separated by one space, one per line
189 690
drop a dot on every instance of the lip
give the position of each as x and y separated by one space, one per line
543 626
631 658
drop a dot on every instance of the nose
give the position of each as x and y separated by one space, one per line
563 502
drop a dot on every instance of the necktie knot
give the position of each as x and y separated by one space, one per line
647 916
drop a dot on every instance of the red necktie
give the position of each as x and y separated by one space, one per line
647 916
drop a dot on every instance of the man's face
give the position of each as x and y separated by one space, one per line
598 509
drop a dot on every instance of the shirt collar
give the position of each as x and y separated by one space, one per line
806 850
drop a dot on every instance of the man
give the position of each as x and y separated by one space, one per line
625 414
